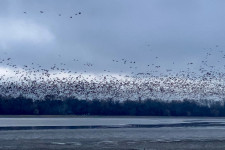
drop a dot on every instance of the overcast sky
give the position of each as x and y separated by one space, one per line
178 31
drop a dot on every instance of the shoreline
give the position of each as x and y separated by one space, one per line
102 116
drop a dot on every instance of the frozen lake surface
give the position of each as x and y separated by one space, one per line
112 133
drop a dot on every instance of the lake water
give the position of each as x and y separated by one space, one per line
106 121
112 133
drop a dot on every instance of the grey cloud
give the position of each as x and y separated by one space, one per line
176 30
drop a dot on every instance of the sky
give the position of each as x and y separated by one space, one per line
170 34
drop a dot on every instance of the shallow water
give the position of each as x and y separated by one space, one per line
146 133
89 121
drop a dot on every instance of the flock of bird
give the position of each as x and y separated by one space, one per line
71 16
36 81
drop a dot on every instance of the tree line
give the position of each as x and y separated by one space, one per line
73 106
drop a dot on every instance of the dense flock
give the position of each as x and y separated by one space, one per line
36 81
205 81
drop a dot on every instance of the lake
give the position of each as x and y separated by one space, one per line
111 133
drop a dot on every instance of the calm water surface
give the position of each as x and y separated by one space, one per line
112 133
86 121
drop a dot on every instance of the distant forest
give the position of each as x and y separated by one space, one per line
72 106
